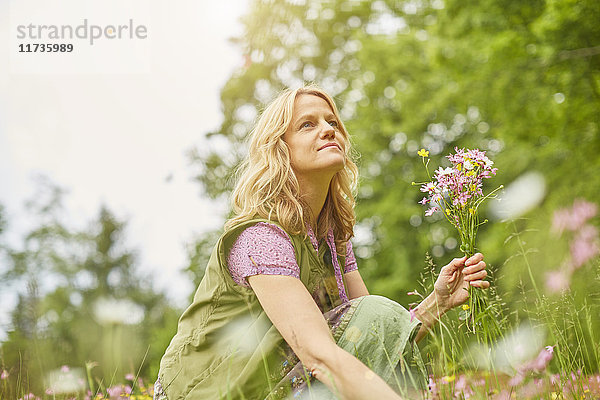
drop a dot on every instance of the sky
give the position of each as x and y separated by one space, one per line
112 121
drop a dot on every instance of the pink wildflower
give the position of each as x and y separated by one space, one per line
444 171
503 395
428 187
561 220
130 377
431 211
461 383
542 360
530 391
557 281
583 210
516 380
479 382
119 391
424 201
573 219
64 368
585 246
412 314
4 374
462 388
461 199
432 387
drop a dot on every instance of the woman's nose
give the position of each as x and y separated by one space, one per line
327 130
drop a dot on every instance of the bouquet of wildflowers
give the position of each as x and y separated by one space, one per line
457 192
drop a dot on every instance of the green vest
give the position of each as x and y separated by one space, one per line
225 346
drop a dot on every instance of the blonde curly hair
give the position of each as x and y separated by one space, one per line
267 186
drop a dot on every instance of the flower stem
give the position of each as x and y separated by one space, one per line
518 235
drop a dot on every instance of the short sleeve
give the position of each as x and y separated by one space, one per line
351 264
262 249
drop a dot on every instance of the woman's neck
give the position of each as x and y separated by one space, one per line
314 194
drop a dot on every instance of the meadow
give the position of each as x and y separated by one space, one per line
518 80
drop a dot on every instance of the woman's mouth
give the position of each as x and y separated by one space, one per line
330 145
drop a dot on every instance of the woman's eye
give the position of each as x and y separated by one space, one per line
306 125
333 123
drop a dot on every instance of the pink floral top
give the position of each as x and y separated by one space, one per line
267 249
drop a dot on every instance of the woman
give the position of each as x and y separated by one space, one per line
275 313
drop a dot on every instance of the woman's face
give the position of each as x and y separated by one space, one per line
315 141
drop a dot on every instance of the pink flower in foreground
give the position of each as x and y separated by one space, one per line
118 391
530 391
478 382
573 219
412 314
503 395
4 374
585 246
461 383
516 380
557 281
432 387
462 388
542 360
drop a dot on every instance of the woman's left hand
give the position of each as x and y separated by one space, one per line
451 286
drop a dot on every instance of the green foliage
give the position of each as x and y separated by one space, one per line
520 81
81 299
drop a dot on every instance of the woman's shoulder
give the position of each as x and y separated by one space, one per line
253 232
262 233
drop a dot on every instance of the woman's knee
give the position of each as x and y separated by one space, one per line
380 306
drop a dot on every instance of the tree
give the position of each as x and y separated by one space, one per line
517 80
81 299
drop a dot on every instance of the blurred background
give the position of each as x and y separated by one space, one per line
114 187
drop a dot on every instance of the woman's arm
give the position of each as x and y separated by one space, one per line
355 284
304 328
